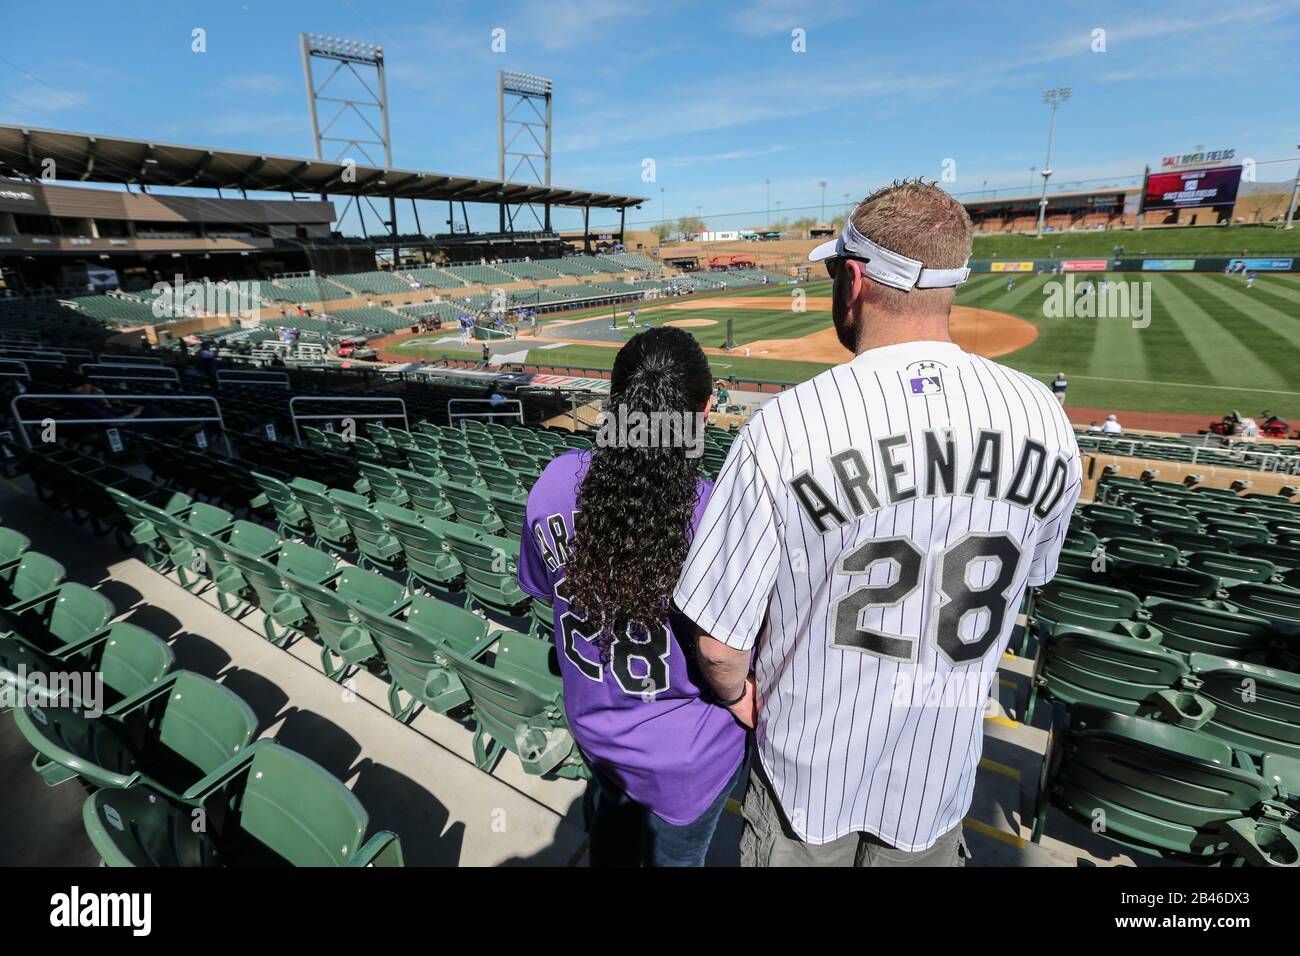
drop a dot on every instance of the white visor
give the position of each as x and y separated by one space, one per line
885 266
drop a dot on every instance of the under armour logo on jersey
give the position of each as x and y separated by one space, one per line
925 377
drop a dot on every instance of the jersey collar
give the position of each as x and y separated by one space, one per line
907 353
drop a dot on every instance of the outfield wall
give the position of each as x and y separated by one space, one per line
1164 264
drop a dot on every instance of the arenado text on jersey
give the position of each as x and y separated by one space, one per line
1037 477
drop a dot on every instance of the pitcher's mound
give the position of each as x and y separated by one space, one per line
691 323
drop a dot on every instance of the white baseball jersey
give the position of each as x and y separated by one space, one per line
873 530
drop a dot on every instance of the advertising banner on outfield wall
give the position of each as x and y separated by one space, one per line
1168 265
1261 265
1085 265
1011 266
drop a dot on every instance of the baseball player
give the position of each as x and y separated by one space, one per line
869 540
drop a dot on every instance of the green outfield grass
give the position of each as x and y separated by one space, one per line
1211 345
1187 240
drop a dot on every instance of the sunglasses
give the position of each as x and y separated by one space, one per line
833 264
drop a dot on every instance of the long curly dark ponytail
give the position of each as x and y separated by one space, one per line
632 530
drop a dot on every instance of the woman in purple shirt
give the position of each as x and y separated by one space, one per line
605 536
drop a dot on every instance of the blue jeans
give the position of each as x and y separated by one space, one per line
626 833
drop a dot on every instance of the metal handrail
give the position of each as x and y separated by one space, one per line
294 417
22 423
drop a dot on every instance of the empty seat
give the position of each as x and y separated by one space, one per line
265 806
1167 791
327 605
171 734
31 577
413 639
518 707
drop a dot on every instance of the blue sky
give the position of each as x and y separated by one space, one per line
712 92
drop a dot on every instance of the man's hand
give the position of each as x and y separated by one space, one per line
745 710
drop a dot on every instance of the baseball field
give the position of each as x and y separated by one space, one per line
1207 343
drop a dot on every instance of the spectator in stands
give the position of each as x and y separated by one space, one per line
1247 427
1111 426
724 395
608 530
487 354
208 359
1094 427
495 398
1059 385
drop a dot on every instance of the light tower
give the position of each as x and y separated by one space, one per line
361 117
822 184
1053 98
524 135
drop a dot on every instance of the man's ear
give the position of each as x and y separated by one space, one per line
855 277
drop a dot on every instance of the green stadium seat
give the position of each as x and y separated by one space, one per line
491 567
1083 665
125 658
1274 602
426 494
282 614
511 510
1180 584
171 735
1106 528
1166 791
1195 628
414 639
329 526
429 562
376 546
1251 707
1161 523
50 627
1125 551
13 545
426 463
473 508
518 707
543 620
463 471
30 578
1187 541
1282 555
327 604
382 484
1232 568
265 806
290 515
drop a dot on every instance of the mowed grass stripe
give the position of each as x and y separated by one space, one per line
1224 357
1269 332
1275 294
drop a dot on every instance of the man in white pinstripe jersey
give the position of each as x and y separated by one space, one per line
866 549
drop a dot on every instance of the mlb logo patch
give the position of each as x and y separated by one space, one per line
927 385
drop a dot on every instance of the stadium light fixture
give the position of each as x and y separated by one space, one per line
1053 98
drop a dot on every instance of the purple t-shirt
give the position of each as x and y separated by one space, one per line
639 718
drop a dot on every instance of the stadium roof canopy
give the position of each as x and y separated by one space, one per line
105 159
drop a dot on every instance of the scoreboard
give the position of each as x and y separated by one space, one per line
1191 188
